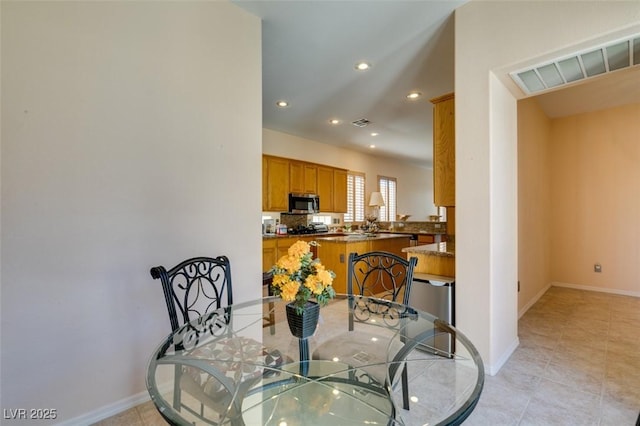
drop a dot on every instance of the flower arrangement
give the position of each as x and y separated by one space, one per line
297 277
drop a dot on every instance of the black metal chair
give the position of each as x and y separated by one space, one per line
379 275
195 287
193 290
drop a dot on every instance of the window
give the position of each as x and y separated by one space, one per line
387 186
326 219
355 197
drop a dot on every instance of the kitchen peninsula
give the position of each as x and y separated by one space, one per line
434 259
334 251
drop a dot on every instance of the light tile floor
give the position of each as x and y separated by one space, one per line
578 363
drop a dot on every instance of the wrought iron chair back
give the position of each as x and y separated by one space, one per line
381 275
195 287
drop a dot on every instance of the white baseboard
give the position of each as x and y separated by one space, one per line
108 410
533 301
496 366
598 289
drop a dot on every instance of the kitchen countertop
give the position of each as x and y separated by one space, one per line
315 235
447 249
409 232
346 238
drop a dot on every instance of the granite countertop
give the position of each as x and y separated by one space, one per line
414 232
354 237
447 249
317 234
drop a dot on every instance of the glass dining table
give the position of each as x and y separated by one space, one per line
230 368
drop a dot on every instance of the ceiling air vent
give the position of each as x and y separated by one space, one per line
582 65
363 122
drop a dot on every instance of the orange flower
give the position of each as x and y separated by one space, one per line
289 290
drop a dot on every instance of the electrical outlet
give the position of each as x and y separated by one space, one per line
597 267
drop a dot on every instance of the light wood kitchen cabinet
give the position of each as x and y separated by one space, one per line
296 177
334 253
444 160
274 248
339 191
277 177
334 256
268 253
325 188
281 176
310 178
426 239
303 177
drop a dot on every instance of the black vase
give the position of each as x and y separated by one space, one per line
303 325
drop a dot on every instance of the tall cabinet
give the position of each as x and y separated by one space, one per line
444 151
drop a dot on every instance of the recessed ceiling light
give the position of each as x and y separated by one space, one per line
363 66
282 104
375 134
372 146
334 121
414 95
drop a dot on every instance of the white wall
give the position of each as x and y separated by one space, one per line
415 184
122 125
496 37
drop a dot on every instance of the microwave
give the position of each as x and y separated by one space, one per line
304 203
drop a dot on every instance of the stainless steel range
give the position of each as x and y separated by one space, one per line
312 228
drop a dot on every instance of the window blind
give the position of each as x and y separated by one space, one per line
388 186
355 197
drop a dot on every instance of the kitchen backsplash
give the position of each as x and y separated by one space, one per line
418 227
297 220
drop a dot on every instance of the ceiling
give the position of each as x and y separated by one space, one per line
310 49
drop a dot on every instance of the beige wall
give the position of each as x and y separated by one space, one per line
534 203
493 38
415 184
595 198
131 137
578 201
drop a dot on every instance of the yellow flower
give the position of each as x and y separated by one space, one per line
324 277
290 263
299 249
289 290
280 279
314 284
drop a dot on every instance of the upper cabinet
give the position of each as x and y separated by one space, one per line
325 188
280 176
444 151
275 193
296 177
339 191
310 178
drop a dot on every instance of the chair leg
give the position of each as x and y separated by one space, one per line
405 388
272 318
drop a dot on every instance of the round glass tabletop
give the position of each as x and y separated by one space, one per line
229 367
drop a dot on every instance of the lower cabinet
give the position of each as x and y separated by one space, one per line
334 255
268 253
273 248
